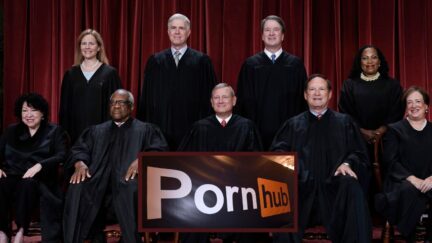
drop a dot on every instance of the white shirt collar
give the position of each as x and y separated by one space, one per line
226 119
181 50
119 124
316 113
269 54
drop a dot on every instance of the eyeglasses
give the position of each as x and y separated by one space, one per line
119 102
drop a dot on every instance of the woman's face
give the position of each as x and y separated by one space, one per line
30 116
370 61
415 106
89 47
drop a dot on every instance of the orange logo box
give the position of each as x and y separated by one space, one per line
274 197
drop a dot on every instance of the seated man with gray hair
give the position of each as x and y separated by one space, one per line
222 132
105 167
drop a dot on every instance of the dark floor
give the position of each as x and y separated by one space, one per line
312 235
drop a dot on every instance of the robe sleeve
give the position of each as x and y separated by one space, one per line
246 101
3 141
59 149
283 139
147 86
82 148
209 80
395 109
154 140
190 141
391 157
65 102
346 101
254 140
357 155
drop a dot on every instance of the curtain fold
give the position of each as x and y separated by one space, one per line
39 38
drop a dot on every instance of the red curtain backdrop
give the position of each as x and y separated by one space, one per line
39 37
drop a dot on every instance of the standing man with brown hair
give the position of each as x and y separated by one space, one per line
270 83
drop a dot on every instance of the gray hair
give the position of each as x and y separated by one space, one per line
179 16
130 97
223 85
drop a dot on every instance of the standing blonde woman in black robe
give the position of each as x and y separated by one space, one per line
87 86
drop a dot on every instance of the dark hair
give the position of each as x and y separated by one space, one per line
413 89
356 67
33 100
275 18
317 75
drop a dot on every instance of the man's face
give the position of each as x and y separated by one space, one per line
120 108
223 101
317 94
178 33
272 35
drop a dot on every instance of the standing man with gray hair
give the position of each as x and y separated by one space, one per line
177 84
270 83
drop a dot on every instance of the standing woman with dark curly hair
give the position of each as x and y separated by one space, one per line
370 96
87 86
30 153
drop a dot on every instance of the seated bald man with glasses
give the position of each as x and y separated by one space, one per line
105 166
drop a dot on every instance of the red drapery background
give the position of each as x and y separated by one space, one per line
39 37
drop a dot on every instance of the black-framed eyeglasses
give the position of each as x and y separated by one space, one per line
119 102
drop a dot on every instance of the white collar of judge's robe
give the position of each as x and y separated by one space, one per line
181 50
269 54
226 119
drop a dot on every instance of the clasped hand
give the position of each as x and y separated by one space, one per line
372 136
422 185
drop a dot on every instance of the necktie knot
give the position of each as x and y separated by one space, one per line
273 58
223 123
177 57
319 116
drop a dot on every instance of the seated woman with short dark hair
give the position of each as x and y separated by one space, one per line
30 152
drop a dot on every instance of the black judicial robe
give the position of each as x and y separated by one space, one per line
84 103
108 151
408 152
175 97
48 146
269 94
207 135
338 202
372 103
